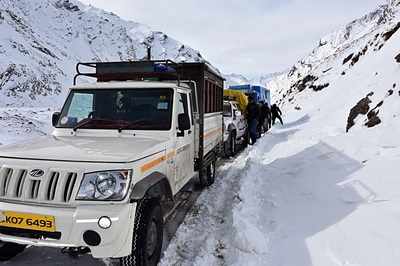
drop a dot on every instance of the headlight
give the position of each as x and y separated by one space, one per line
106 185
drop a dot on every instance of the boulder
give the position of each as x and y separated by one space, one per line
361 108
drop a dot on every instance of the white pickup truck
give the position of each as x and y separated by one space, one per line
122 148
235 128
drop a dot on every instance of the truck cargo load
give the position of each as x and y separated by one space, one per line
262 94
237 96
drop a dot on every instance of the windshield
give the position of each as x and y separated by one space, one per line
136 109
227 110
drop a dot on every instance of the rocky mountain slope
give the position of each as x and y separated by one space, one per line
42 40
356 64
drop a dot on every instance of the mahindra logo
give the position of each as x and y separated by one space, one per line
37 173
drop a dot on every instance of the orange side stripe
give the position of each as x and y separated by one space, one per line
212 132
147 166
171 155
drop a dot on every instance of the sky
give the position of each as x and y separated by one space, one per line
251 37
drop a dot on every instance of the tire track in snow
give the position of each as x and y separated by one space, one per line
197 236
209 235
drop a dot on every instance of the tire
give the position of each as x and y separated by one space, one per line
147 235
246 138
230 147
10 250
207 176
232 140
227 147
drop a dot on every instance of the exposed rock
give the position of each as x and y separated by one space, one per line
298 108
355 59
343 73
319 87
378 105
292 71
327 70
361 108
66 4
348 58
322 43
397 58
42 49
370 94
303 83
6 75
394 85
390 92
373 119
387 35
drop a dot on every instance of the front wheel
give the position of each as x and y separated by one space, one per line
147 235
10 250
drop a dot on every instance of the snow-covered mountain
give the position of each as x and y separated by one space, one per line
358 60
235 79
42 40
239 79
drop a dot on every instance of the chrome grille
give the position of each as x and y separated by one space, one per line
53 186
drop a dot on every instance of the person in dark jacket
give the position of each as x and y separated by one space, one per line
262 117
267 117
276 113
253 113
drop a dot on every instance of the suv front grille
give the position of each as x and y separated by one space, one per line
52 187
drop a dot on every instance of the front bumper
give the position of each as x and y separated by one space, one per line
73 222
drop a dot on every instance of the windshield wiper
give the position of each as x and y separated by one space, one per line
83 123
119 124
90 120
127 125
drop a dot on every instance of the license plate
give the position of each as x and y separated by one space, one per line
27 221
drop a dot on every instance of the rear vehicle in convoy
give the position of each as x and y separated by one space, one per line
235 126
122 148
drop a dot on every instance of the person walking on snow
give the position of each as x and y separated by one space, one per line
266 112
253 113
276 113
262 117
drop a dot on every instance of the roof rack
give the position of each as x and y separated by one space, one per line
129 70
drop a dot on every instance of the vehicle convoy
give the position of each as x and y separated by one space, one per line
122 148
262 94
235 124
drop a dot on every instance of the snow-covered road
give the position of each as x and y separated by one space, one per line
292 200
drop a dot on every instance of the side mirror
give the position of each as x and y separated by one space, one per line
55 118
183 122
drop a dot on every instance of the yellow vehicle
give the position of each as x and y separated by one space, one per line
237 96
